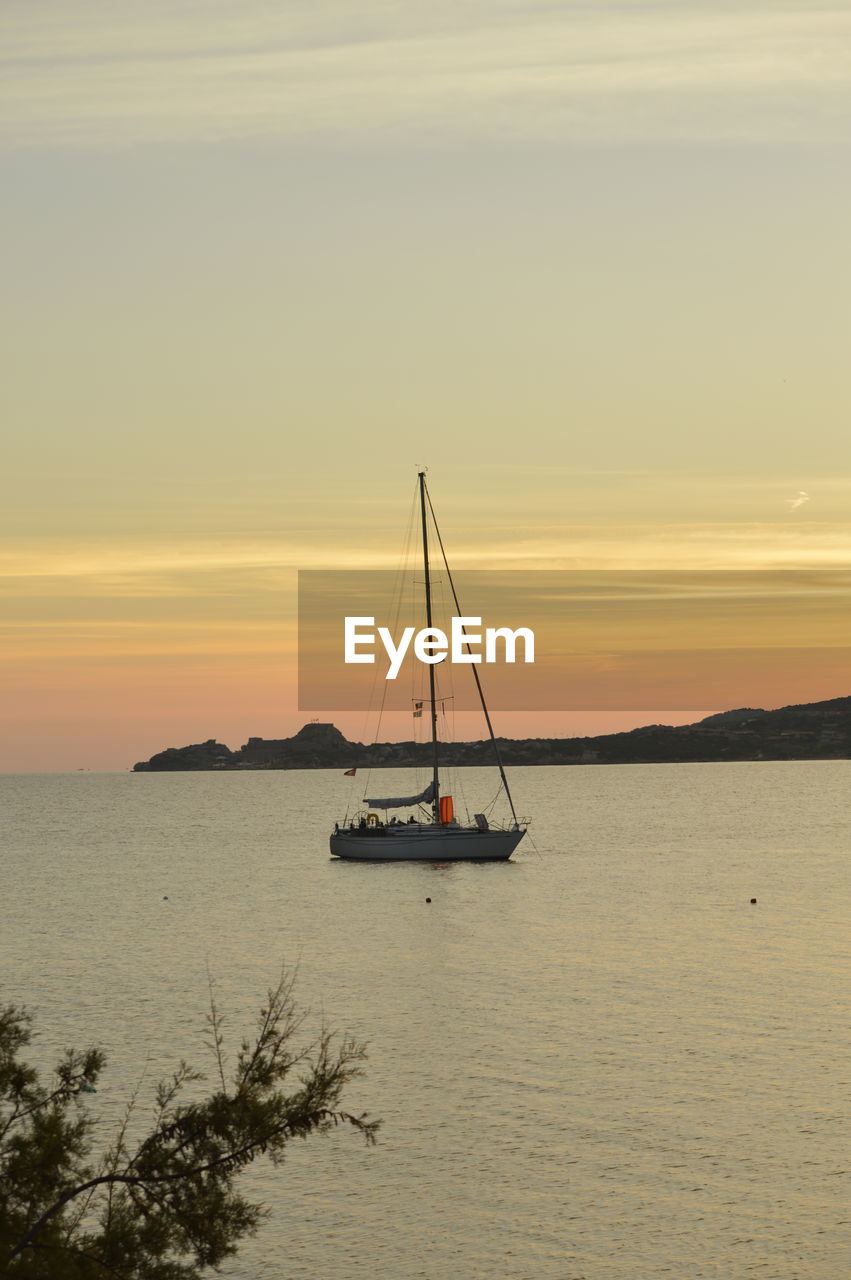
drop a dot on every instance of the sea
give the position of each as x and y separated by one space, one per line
599 1061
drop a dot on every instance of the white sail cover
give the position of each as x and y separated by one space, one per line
401 802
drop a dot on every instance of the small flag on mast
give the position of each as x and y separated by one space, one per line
350 773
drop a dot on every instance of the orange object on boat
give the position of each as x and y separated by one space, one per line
446 809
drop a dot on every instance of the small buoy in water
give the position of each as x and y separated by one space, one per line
753 900
428 899
165 897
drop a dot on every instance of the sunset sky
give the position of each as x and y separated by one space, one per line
589 263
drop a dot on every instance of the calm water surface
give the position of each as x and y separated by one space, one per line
599 1060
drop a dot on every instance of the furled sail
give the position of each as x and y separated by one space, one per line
401 802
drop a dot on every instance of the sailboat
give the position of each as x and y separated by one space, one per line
432 834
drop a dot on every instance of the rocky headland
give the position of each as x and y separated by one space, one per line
810 731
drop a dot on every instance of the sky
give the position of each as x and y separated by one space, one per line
588 263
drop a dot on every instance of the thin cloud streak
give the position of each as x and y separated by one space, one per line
152 568
77 74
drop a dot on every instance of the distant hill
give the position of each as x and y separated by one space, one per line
732 717
809 731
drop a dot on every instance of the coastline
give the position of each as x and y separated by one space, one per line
811 731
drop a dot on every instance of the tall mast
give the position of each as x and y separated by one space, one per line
476 677
432 698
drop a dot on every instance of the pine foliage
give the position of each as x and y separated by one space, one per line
165 1206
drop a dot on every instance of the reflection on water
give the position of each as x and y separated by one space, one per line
599 1060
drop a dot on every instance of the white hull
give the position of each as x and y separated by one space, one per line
426 844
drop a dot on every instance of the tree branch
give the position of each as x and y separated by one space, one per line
318 1117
